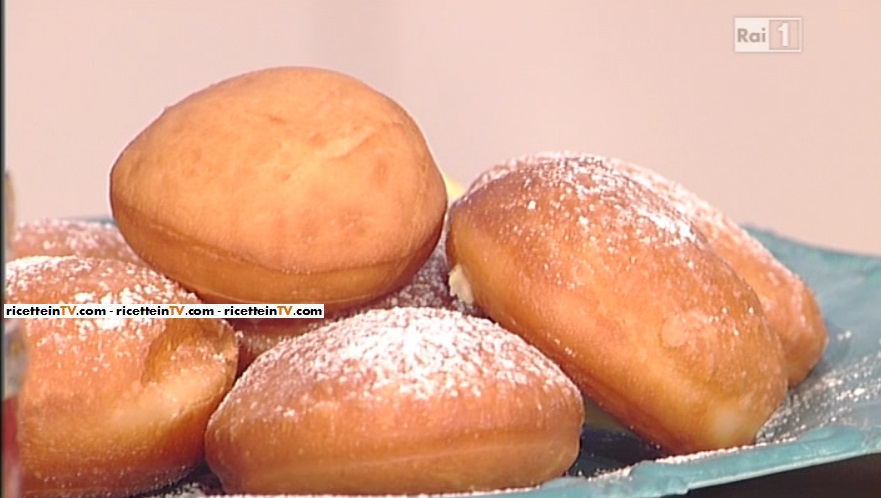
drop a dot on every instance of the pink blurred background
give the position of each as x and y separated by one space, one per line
790 142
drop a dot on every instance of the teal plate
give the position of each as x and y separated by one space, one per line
835 414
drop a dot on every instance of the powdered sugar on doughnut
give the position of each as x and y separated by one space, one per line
427 289
73 280
710 221
66 237
574 223
588 178
115 394
719 229
679 198
389 396
25 273
601 272
788 303
789 306
579 197
416 353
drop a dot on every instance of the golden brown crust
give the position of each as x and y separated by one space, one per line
282 185
64 237
626 295
217 275
396 401
788 303
113 406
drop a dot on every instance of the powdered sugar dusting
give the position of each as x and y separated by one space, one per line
427 289
22 272
580 197
67 237
711 221
700 455
75 280
412 353
826 399
786 301
587 178
84 279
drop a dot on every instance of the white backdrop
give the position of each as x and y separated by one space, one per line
790 142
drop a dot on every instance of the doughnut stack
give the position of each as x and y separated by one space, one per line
458 339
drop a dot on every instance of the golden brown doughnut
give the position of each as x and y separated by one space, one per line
626 295
408 400
113 406
66 237
285 185
789 305
427 289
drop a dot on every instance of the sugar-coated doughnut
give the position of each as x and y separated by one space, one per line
788 303
427 289
113 406
284 185
407 400
68 237
626 295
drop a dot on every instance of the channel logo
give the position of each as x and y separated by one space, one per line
768 34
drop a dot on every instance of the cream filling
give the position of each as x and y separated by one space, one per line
459 285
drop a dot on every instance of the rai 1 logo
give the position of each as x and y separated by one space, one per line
767 34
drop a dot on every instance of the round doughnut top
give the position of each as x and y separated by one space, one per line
587 179
404 353
67 237
70 349
73 279
272 166
710 221
564 201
